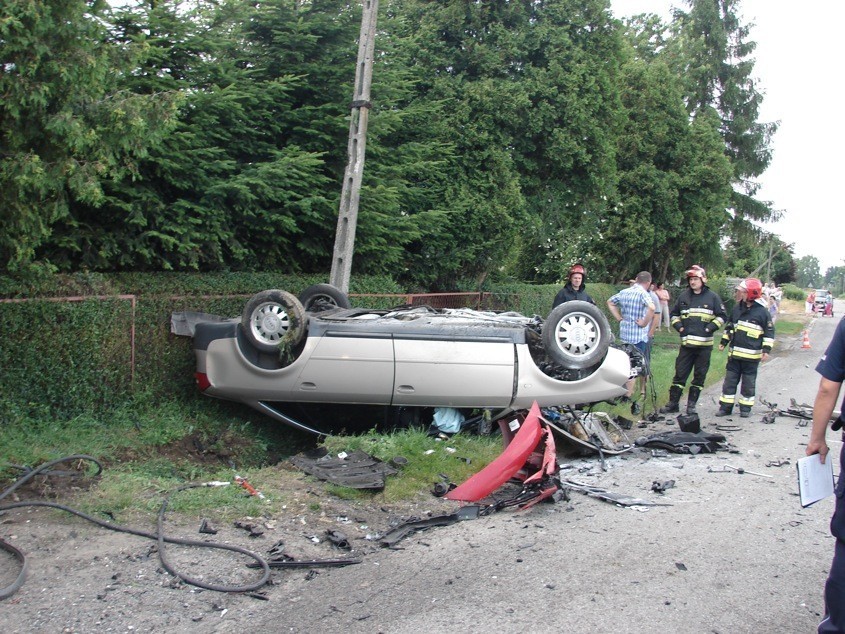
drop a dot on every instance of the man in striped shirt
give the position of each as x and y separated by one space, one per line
634 309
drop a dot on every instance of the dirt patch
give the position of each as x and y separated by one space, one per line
197 449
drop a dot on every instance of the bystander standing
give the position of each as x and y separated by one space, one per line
634 309
665 297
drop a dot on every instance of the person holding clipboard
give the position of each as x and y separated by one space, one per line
832 370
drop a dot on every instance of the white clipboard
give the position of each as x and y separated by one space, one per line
815 480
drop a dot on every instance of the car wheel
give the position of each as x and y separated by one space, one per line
576 335
274 318
320 297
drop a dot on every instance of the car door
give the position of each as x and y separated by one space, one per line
348 367
471 372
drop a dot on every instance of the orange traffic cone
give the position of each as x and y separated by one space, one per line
805 345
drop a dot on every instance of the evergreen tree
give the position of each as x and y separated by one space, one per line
65 124
242 180
674 180
712 51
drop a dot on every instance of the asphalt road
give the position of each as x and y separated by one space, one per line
731 552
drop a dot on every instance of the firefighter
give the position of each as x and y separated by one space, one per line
749 337
697 314
574 288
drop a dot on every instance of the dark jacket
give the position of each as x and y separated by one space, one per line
750 332
700 315
568 293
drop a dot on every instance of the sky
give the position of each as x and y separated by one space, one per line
799 57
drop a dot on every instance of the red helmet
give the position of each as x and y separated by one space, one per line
577 268
696 271
753 288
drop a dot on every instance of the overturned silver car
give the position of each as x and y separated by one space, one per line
317 349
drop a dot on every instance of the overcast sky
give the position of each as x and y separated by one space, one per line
799 58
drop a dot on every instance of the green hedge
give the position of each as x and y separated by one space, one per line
65 358
790 291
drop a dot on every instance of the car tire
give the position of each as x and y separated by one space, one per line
272 319
576 335
321 297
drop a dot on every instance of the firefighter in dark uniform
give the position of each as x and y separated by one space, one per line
749 336
832 369
697 314
574 287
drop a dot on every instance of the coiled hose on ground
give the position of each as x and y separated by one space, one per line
159 535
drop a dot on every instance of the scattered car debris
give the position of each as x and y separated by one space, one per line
308 563
252 528
207 528
690 423
338 538
448 420
730 469
595 431
728 428
357 470
802 412
608 496
277 550
529 455
778 463
624 423
248 487
685 442
443 487
392 537
660 486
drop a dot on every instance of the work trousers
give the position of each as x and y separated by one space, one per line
695 360
740 369
834 588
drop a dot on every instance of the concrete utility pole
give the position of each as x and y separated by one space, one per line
347 219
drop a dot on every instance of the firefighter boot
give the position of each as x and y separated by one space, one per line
724 410
744 411
692 398
674 396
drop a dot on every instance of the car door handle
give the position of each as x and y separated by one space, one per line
308 386
405 389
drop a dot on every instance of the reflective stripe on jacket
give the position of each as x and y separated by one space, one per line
750 331
700 315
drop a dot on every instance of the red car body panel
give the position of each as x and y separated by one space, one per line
511 461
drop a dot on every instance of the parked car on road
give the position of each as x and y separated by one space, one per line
823 297
285 350
823 304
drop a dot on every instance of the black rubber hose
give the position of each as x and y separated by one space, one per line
18 583
44 467
158 536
